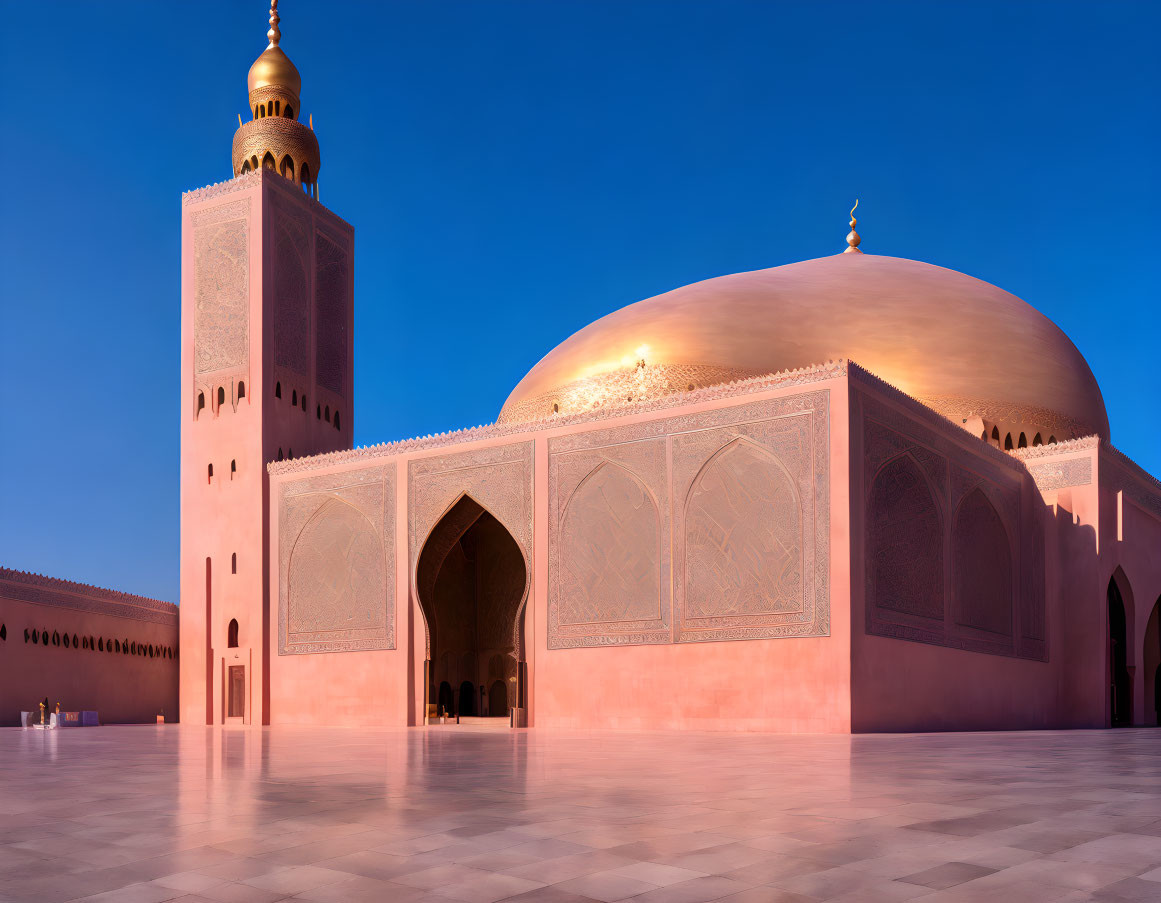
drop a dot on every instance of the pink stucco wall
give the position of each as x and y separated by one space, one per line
122 687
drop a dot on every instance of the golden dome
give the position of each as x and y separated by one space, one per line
962 346
273 69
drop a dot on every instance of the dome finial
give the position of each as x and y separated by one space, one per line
274 34
853 237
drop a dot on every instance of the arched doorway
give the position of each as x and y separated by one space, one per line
498 699
1151 662
1120 681
471 581
446 703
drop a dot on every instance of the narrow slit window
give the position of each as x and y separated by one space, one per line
278 390
233 468
241 389
234 563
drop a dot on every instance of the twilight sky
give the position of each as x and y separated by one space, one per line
515 170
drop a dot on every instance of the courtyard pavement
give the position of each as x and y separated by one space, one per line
137 814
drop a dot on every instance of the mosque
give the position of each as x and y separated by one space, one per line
855 493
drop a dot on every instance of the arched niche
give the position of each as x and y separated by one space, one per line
1151 665
1120 646
904 557
609 550
982 574
337 576
743 536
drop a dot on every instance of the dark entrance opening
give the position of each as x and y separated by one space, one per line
498 698
467 698
471 580
446 703
1120 683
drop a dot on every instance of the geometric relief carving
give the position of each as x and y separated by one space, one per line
982 567
904 542
337 563
610 551
743 537
752 534
337 574
222 286
1061 474
740 494
291 271
913 475
331 274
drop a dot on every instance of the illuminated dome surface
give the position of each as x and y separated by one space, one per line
960 345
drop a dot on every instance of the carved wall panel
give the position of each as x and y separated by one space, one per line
337 562
1051 475
332 269
969 537
905 542
609 544
752 527
291 276
982 567
742 497
498 478
221 286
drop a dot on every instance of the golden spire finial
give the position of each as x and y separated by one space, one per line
274 34
853 237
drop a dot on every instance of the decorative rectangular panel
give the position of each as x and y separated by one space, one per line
336 542
221 237
950 546
741 496
609 547
291 276
332 289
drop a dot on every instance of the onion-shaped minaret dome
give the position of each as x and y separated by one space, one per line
274 138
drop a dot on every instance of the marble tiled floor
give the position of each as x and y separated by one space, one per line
143 814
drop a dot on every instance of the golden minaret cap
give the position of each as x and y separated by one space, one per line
853 237
274 138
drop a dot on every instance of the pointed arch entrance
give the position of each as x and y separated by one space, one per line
471 581
1151 662
1120 677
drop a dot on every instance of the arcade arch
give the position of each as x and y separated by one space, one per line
471 582
1120 675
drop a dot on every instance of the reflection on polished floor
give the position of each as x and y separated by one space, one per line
141 814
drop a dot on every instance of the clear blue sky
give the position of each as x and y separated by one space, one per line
515 170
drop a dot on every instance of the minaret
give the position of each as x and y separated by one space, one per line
266 339
274 138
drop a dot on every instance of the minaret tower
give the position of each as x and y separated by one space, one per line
266 331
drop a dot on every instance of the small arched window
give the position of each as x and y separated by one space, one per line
209 473
43 637
1036 440
76 645
241 389
232 634
1008 442
245 167
327 414
287 167
133 648
304 173
268 161
1023 443
221 396
277 107
27 635
289 111
289 454
996 434
280 454
100 644
125 647
234 563
278 390
3 631
336 420
55 638
1051 440
318 412
117 643
201 403
233 468
304 401
294 396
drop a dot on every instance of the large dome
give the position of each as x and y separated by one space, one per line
960 345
